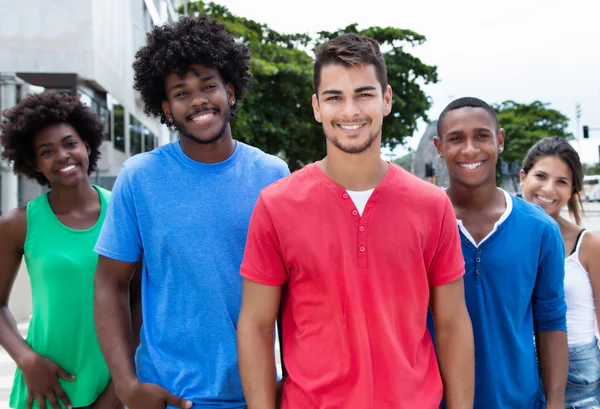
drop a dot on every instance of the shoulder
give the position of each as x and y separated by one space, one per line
264 161
590 247
531 213
416 195
103 192
13 226
147 160
295 186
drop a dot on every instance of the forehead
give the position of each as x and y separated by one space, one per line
346 79
553 165
54 133
195 73
466 119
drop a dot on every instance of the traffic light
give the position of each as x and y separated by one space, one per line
586 132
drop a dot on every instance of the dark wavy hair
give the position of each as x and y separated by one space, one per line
350 50
174 48
22 122
556 146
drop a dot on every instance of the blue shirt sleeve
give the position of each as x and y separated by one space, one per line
120 235
549 305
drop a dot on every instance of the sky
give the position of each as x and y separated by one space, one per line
523 50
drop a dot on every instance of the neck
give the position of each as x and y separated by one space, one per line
64 198
214 152
358 172
474 199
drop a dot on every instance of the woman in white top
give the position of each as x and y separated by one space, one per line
552 177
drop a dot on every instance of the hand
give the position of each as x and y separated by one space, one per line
108 399
151 396
41 378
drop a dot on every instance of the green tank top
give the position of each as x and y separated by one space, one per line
61 263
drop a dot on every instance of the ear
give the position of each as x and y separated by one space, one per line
316 108
500 138
87 148
438 145
522 176
387 101
166 109
230 95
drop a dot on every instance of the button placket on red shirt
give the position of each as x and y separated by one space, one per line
362 234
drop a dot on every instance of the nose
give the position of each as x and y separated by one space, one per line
63 155
350 109
470 148
199 100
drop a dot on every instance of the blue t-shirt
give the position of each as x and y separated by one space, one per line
190 221
514 286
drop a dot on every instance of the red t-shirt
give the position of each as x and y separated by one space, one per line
357 288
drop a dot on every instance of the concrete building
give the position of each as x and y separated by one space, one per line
83 47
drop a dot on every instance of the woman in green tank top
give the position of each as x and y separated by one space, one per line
55 140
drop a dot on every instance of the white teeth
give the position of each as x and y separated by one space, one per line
350 127
68 168
470 165
202 117
544 199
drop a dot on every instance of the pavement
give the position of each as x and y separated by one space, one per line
591 221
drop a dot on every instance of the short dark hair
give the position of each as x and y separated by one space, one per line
350 50
22 122
174 48
466 102
557 146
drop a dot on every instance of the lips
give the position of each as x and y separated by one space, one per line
200 116
67 168
544 200
471 165
352 127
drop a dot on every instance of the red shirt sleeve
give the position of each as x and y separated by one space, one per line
263 261
448 263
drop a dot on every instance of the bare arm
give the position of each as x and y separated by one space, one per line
454 342
113 320
135 303
114 328
13 229
39 373
590 258
255 335
553 352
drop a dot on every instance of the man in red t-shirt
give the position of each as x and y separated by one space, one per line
356 251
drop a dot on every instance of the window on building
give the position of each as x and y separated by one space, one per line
118 115
149 140
135 135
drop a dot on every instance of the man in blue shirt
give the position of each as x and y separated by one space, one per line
186 208
514 261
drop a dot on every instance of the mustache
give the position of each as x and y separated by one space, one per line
199 111
351 121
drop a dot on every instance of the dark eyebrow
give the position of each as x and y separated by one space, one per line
64 138
363 89
180 85
331 92
483 130
453 133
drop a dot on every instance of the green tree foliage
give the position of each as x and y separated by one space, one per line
524 125
277 115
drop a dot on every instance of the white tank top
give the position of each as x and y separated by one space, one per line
581 310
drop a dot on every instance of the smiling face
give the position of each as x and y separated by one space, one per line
351 106
548 184
61 155
470 143
199 104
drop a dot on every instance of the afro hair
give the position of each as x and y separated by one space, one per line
176 47
22 122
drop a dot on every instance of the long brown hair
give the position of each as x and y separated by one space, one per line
556 146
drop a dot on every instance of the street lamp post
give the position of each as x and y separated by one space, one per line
10 187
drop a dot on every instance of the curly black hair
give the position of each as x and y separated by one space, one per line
175 48
21 123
